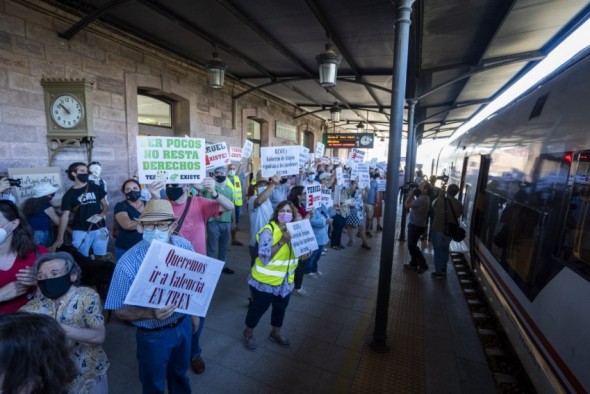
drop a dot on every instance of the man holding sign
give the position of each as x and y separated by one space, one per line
163 336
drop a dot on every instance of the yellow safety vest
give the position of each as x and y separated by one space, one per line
236 187
282 263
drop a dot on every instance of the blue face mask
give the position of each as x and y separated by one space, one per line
261 189
159 235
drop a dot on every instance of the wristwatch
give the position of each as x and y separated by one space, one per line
215 196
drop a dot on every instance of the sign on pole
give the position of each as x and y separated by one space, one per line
247 149
173 275
339 176
356 155
303 155
302 238
217 155
363 175
319 149
314 196
282 160
170 159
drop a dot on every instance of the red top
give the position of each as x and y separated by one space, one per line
9 276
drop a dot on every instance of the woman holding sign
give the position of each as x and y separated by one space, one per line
272 276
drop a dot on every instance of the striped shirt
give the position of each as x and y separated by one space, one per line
126 270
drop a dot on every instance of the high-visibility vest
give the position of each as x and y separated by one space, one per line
282 263
234 183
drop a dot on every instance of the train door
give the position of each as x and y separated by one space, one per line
470 180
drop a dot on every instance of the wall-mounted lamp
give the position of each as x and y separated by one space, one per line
335 113
216 69
328 62
360 127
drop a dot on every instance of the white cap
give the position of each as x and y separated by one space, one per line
44 189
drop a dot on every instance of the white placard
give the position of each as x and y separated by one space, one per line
169 274
303 155
314 196
282 160
335 160
363 175
346 183
325 160
374 162
319 149
354 172
247 149
217 155
356 155
326 198
381 185
31 177
302 238
170 159
339 176
235 153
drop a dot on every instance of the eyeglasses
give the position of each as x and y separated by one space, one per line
157 226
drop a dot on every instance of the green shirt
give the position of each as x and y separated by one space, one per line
227 191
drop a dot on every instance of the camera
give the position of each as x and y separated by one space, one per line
14 182
443 178
411 186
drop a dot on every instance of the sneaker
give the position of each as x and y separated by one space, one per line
249 342
324 252
369 234
438 275
198 365
312 275
319 273
279 339
422 269
299 292
365 246
379 228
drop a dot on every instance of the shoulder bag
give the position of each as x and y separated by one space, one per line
453 230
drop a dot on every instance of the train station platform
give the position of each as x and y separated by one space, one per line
433 343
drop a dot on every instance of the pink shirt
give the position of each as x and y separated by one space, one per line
194 227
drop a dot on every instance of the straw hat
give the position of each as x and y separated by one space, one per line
260 178
44 189
156 211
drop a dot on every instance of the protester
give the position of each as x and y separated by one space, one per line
17 256
447 209
297 197
95 170
319 224
79 313
356 218
35 356
41 214
280 192
369 202
126 214
339 219
163 336
87 202
260 209
234 181
418 202
272 276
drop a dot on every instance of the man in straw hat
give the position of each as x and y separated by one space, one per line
163 336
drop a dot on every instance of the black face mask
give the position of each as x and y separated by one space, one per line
283 181
133 195
55 287
220 178
82 177
174 193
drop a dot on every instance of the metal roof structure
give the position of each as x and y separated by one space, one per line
462 53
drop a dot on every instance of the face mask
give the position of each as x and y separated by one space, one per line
285 217
174 193
133 195
220 178
95 170
261 189
55 287
231 172
3 234
156 235
283 181
82 177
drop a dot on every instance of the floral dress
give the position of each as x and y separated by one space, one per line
79 307
357 210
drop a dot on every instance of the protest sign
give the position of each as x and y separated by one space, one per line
217 155
339 176
356 155
314 196
282 160
303 152
325 160
31 177
354 172
363 175
326 198
247 149
381 185
235 153
173 275
335 160
346 180
374 162
302 239
319 149
170 159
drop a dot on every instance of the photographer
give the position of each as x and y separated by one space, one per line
5 194
418 202
447 209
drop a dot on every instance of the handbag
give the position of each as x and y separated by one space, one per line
453 230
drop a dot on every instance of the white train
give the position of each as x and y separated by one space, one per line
524 176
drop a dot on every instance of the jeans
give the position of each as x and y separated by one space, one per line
337 227
163 358
97 239
260 303
440 245
195 347
218 235
299 271
312 262
414 234
237 214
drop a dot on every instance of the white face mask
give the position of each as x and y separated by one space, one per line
95 170
261 189
4 234
231 172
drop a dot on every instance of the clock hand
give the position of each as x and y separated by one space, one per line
61 105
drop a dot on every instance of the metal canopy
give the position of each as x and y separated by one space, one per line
462 52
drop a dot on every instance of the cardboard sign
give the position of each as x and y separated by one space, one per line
356 155
169 274
282 160
170 159
31 177
363 175
354 172
303 156
319 149
302 238
314 196
247 149
335 160
381 185
339 176
235 153
326 198
217 155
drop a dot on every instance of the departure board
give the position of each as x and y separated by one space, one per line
350 140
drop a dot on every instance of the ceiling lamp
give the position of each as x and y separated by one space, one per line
328 62
360 127
335 113
382 139
216 69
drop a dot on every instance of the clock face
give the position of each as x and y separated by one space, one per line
67 111
366 140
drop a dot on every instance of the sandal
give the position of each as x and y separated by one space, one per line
279 340
249 342
366 246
